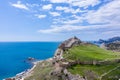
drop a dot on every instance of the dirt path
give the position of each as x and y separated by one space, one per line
108 72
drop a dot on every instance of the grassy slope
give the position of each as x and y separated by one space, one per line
96 70
99 70
92 52
42 71
83 53
114 75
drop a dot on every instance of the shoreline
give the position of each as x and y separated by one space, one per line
26 73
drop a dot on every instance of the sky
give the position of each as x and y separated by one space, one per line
57 20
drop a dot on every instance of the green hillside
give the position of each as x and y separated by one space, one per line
73 58
89 52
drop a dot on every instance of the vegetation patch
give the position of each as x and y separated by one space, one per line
94 71
114 75
89 53
41 71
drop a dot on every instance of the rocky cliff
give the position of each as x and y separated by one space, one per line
58 60
114 46
65 45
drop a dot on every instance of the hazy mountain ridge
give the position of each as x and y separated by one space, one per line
110 44
110 40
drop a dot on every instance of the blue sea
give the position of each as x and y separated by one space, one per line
14 54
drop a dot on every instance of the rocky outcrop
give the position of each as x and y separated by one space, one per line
69 43
10 79
65 45
58 60
114 46
103 46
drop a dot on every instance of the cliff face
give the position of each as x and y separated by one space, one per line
59 62
114 46
69 43
65 45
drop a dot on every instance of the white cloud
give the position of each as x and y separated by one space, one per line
61 8
73 28
20 5
111 33
47 7
56 29
70 28
40 16
68 9
55 13
108 13
32 5
105 14
74 21
69 20
80 3
84 3
77 14
58 1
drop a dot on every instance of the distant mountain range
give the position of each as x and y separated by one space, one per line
110 40
110 44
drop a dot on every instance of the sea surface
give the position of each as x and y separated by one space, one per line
14 54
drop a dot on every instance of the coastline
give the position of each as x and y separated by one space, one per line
26 73
57 57
17 58
56 67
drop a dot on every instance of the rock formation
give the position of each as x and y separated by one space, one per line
58 60
114 46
